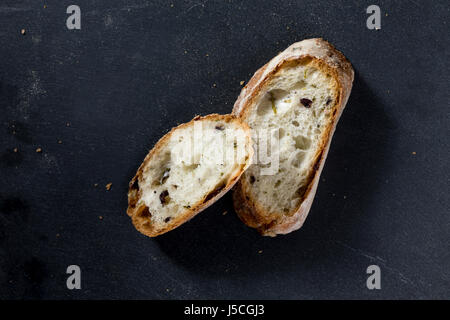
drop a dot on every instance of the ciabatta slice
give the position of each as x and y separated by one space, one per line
187 170
296 99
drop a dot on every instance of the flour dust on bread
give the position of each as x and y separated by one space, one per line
299 95
187 170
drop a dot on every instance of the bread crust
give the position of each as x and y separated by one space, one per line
328 59
140 215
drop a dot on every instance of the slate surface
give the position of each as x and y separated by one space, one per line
109 91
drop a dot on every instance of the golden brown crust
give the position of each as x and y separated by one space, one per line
140 215
327 58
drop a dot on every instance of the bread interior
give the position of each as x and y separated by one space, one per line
294 110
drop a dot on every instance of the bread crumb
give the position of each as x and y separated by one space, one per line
345 197
214 85
22 31
67 124
15 150
108 186
96 185
413 153
260 251
171 5
185 51
287 28
206 55
224 213
59 141
168 290
242 82
100 217
57 235
39 150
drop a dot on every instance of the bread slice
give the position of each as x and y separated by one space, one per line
187 170
298 96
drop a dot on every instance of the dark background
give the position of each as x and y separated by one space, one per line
97 99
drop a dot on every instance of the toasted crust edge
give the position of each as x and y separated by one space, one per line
326 56
140 215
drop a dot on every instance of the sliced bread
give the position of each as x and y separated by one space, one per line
187 170
296 99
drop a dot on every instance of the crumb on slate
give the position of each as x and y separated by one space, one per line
23 31
242 82
39 150
108 186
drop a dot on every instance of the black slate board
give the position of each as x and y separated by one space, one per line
109 91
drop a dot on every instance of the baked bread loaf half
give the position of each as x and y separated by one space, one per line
187 170
296 100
